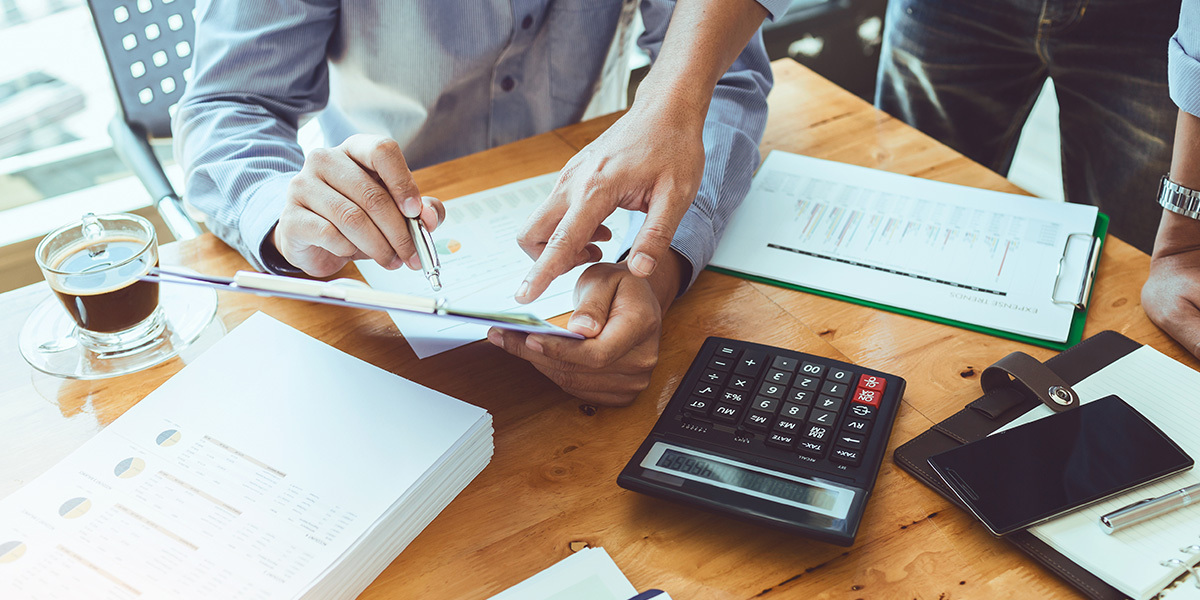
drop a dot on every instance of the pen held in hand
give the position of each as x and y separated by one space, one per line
426 252
1149 508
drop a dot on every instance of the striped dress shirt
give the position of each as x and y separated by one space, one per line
1184 59
445 78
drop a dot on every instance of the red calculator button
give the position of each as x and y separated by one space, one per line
865 396
872 382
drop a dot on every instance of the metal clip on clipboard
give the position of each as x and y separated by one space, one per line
1081 254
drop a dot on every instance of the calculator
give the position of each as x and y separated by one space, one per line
785 439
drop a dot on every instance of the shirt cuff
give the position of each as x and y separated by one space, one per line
696 241
776 8
1183 72
258 219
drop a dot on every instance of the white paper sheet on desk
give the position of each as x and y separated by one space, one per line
966 254
482 266
589 574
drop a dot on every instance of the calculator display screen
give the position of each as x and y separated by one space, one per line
811 495
738 477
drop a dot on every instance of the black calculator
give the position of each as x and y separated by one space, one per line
782 438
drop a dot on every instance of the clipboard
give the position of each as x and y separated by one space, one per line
356 294
1080 297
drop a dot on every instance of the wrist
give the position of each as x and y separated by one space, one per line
1176 234
669 98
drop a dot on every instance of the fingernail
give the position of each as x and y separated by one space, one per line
582 324
411 207
642 264
495 338
532 343
522 291
396 263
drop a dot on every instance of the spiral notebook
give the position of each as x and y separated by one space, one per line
1131 560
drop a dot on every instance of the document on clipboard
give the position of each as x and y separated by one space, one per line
1009 265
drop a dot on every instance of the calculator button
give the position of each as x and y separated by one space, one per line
727 413
727 351
739 382
794 411
853 441
841 376
706 390
828 403
780 439
785 363
872 382
733 397
721 363
818 433
751 363
799 396
856 426
780 377
812 369
765 404
862 411
697 406
716 377
833 388
788 425
865 396
807 383
757 419
846 456
811 447
771 390
822 417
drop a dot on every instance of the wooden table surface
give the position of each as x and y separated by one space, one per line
552 486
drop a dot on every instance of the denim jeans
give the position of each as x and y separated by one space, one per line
968 71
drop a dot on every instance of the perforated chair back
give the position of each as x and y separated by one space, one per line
148 44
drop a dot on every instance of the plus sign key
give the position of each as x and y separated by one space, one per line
751 363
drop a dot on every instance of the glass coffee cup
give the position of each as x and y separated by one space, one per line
94 266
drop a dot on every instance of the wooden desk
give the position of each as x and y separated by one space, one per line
551 484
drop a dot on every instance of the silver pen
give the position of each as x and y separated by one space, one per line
426 252
1149 508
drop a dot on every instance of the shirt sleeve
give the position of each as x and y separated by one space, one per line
733 129
1184 59
259 71
776 8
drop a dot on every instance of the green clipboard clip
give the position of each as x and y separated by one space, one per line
1074 335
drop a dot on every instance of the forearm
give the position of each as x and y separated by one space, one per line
1177 233
703 40
669 279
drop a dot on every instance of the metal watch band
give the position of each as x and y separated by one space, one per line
1179 199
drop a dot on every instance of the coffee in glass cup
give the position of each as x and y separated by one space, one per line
94 266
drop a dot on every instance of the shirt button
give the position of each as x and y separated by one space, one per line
527 22
507 84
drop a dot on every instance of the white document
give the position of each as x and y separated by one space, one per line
482 265
1164 391
248 475
961 253
589 574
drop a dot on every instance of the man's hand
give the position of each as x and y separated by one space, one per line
621 315
349 203
1171 296
650 160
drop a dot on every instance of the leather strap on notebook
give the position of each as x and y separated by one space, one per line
1035 379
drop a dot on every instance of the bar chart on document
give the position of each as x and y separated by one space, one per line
961 253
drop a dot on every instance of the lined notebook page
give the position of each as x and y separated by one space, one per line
1164 391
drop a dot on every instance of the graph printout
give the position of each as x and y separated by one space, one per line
482 265
961 253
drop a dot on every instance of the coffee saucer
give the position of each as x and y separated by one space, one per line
48 341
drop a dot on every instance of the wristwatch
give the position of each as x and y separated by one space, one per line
1179 199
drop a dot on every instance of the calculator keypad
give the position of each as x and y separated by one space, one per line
816 410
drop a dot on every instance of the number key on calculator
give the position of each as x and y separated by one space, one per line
782 438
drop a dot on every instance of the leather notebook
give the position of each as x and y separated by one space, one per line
1009 393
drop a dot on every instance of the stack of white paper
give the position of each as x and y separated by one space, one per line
272 467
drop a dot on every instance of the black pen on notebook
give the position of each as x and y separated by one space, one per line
1149 508
426 252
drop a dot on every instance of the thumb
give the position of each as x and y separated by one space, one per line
654 239
593 299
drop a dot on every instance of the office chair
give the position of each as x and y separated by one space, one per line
148 45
